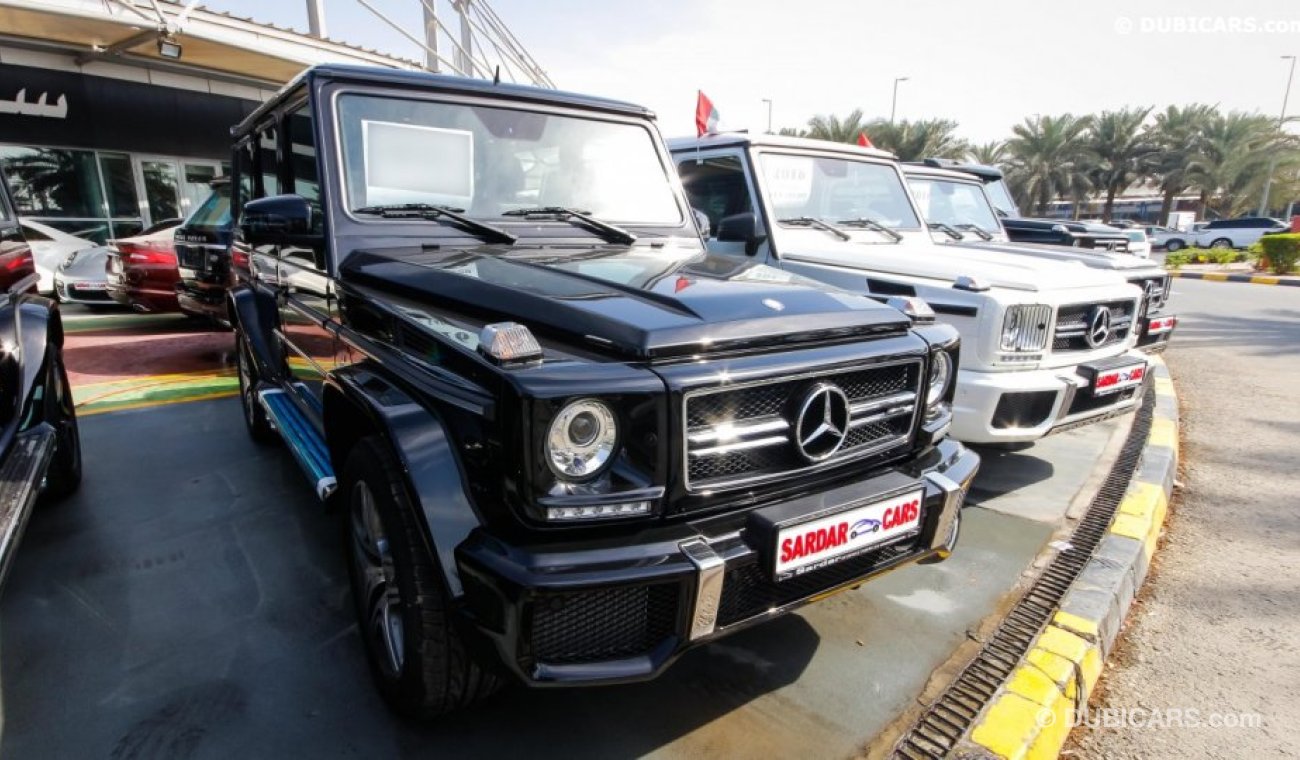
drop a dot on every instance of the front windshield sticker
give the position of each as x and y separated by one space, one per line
444 328
921 192
789 179
407 163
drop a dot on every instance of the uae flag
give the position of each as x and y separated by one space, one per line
864 141
706 116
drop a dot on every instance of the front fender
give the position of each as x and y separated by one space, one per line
359 401
254 315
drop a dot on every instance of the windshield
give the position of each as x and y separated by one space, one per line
953 203
1137 236
1001 197
489 161
836 189
215 211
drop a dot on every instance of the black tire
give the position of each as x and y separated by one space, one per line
1221 243
259 427
1173 245
419 662
64 473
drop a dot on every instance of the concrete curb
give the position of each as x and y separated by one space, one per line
1030 716
1254 279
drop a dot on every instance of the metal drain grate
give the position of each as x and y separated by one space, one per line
944 723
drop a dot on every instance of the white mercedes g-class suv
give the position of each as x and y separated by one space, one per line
1045 345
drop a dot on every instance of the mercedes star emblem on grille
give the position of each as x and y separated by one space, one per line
1099 326
823 422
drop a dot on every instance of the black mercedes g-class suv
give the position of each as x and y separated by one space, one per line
203 256
567 443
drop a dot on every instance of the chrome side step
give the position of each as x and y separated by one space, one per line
306 444
20 482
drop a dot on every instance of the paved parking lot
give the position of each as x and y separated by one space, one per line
191 601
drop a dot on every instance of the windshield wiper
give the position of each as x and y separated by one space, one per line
978 230
809 221
947 230
612 233
485 231
872 224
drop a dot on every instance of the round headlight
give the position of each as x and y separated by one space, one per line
581 439
940 374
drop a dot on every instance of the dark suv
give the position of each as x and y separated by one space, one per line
203 256
568 443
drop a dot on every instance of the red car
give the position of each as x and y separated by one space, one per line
142 271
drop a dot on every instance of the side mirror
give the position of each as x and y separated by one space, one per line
737 228
274 219
702 221
741 228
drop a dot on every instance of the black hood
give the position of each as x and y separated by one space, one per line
1090 228
641 301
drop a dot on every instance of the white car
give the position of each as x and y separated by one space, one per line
961 214
1138 243
1045 345
1237 233
50 247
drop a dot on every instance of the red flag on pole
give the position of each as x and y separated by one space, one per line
863 141
706 116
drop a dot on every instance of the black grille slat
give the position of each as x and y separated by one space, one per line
1023 410
779 400
603 624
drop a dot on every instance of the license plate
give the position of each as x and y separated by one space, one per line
95 286
115 264
817 543
1158 325
1115 380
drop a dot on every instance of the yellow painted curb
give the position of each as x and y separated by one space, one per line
1257 280
1164 433
1165 387
153 404
1215 276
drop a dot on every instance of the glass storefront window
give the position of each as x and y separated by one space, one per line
160 189
53 182
120 184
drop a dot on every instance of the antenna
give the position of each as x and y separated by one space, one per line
496 78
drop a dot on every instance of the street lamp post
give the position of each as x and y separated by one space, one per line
893 104
1272 164
768 101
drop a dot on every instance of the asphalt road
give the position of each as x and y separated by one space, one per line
1218 629
190 601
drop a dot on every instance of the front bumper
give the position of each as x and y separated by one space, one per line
73 290
1019 407
624 611
1156 330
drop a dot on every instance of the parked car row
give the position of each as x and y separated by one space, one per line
1221 233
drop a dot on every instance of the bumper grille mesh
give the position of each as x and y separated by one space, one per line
1023 410
603 624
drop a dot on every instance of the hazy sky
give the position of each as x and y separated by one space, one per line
985 64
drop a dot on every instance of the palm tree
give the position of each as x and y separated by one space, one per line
916 140
991 153
1233 156
1123 152
1178 133
835 129
1048 156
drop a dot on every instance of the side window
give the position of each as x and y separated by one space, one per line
716 186
302 162
268 162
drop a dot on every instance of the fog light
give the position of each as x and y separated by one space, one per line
598 511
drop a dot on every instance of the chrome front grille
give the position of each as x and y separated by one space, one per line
1075 322
1031 324
1155 293
746 434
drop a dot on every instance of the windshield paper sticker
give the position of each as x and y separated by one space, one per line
789 179
406 163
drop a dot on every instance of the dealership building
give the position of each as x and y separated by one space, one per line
115 115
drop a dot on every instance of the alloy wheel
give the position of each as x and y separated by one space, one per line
373 559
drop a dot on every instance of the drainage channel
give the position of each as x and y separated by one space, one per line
948 719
